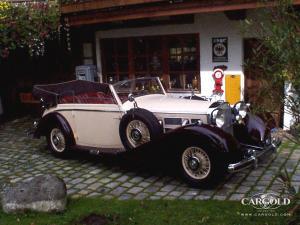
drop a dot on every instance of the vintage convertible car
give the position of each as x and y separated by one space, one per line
204 139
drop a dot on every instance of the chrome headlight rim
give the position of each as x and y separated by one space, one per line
241 108
220 118
218 115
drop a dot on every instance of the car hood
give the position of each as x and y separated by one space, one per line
167 104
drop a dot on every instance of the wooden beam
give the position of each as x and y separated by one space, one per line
166 10
100 4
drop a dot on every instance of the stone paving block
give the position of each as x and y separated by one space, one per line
151 189
209 192
151 179
114 175
93 194
76 181
168 188
202 197
192 192
90 180
161 193
263 183
236 197
219 197
125 196
136 179
243 189
154 197
175 193
112 184
257 188
144 184
267 177
107 197
140 196
84 192
181 188
80 186
122 178
118 191
251 178
186 197
127 184
72 191
169 197
135 190
236 179
95 186
105 180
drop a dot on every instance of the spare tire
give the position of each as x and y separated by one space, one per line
137 127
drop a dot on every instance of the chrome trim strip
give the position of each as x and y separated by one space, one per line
92 110
251 146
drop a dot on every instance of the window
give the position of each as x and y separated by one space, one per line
183 62
173 58
115 59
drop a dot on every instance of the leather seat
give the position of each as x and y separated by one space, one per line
89 98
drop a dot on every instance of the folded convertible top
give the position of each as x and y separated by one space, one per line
52 93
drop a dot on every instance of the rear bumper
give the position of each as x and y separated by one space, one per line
31 132
252 161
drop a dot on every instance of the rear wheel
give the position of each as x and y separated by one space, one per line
201 167
57 142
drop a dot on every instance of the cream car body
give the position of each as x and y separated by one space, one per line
83 117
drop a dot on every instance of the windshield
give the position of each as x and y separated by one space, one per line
138 87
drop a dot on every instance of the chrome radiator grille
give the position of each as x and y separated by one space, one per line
228 125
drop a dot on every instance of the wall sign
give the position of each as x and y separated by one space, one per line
220 49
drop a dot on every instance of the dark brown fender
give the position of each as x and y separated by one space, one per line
51 119
211 137
254 129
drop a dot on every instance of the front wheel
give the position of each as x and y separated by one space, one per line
201 167
57 142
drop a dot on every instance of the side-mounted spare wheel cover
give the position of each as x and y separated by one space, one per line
139 126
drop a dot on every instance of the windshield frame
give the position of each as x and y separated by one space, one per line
136 80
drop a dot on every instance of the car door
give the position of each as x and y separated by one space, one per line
97 125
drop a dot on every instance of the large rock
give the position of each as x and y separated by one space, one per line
44 193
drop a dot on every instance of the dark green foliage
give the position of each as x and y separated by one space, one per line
277 58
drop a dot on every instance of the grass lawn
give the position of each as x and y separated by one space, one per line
154 212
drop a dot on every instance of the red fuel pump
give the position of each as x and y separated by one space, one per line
218 75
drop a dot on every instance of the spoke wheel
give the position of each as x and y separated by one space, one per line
58 141
137 133
196 163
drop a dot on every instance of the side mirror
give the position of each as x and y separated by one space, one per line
131 98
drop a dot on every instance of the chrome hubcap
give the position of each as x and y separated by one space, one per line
196 162
57 139
137 133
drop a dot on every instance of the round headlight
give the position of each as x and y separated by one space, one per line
242 109
220 118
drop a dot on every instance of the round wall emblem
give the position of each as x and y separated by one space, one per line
219 49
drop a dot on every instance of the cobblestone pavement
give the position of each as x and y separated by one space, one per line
85 175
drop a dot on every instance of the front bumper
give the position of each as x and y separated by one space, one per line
256 155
